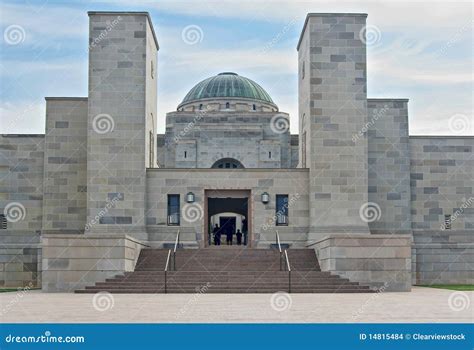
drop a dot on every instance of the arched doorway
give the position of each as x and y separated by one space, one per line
229 209
227 163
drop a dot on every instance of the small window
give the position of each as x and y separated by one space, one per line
302 71
200 107
447 222
173 210
152 70
3 222
227 105
185 154
254 107
281 210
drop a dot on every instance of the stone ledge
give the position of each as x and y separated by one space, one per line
92 236
74 261
386 99
360 236
379 261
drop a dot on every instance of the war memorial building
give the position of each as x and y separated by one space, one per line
101 194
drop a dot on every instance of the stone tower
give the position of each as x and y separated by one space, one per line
333 108
121 120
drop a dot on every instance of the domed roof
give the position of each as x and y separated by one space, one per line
227 84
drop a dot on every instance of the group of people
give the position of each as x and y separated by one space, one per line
218 232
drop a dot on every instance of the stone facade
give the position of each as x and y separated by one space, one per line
71 262
21 183
332 85
93 190
121 122
65 165
389 164
442 182
380 261
442 257
293 182
198 140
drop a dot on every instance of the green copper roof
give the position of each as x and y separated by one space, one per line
227 84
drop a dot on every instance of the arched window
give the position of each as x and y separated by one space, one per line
254 107
227 105
227 163
200 107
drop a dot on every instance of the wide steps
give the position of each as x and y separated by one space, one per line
228 270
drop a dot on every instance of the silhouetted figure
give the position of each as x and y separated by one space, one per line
245 230
229 237
239 237
217 235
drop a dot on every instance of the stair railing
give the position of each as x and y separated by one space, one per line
176 244
277 238
289 271
166 270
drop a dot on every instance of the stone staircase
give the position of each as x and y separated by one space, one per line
226 269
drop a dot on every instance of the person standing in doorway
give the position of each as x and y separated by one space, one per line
216 232
239 237
229 236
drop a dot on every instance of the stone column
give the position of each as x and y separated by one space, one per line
121 120
333 107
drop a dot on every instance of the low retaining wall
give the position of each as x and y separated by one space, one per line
72 262
20 265
382 262
443 257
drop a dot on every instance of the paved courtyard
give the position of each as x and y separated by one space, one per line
420 305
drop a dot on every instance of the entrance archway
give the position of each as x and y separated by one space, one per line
230 211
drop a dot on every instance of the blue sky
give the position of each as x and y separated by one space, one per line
421 51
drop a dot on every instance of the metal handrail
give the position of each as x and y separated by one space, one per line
277 238
166 270
289 271
176 243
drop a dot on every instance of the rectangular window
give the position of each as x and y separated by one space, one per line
447 222
173 209
3 222
281 209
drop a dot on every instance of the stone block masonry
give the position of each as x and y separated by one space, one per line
332 75
380 261
65 164
389 164
119 126
442 183
74 261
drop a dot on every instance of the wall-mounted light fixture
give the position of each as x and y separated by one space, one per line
190 197
265 198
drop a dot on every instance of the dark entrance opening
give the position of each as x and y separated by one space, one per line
228 224
230 214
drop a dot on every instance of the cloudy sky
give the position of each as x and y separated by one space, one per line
420 50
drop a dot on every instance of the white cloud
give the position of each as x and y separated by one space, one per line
405 65
22 118
40 22
392 14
